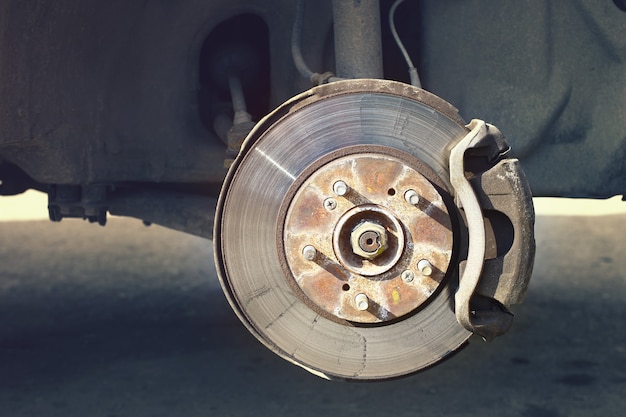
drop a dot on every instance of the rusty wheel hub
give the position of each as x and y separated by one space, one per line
385 218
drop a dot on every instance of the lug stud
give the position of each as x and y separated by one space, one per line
425 267
309 252
361 301
412 197
340 188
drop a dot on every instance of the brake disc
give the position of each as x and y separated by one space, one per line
337 237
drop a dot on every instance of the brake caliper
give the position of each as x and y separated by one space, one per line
494 195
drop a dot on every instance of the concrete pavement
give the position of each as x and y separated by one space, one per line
130 321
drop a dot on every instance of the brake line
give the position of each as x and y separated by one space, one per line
415 79
296 52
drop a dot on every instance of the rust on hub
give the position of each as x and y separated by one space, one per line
369 239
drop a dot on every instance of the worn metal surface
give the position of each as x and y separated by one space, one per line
320 122
369 240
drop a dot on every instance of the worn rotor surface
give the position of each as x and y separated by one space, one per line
328 143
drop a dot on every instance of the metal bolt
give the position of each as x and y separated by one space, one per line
407 276
425 267
340 188
361 301
369 239
309 252
412 197
330 204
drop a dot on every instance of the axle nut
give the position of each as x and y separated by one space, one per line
368 239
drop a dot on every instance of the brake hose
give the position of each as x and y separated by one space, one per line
415 79
296 52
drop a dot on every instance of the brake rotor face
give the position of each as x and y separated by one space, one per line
262 219
366 237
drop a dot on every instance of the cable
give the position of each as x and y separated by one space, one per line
239 101
415 79
296 53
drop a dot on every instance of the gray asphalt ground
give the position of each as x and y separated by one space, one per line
128 320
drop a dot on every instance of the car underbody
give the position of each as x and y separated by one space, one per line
363 229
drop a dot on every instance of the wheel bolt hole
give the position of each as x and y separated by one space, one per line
391 191
345 287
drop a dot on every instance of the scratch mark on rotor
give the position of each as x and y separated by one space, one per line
304 340
289 307
258 293
362 342
402 120
364 357
276 164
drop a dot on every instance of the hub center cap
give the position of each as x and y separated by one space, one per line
368 240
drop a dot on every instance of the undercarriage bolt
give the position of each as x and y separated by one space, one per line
408 276
361 301
330 204
412 197
425 267
309 252
340 188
